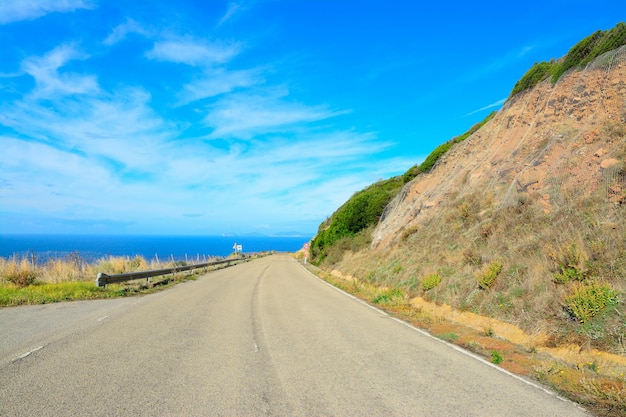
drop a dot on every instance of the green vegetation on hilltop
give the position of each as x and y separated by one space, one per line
359 213
580 54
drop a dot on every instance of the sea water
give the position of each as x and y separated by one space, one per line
90 248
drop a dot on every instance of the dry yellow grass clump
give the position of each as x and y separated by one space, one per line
22 272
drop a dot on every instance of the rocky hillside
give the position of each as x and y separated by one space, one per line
525 220
548 146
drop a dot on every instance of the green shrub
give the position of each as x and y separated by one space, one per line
439 151
570 263
449 337
610 40
389 297
434 156
431 281
408 232
496 357
587 300
487 276
536 74
568 274
410 174
576 55
360 212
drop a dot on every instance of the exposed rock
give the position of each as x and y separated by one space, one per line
543 140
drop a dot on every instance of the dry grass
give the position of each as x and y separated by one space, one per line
543 255
22 272
71 278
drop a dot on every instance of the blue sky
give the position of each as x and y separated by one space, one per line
219 117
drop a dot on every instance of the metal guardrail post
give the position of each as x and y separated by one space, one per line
102 280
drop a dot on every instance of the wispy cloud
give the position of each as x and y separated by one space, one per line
488 106
245 115
77 146
113 144
215 82
120 32
17 10
193 52
233 8
119 130
45 71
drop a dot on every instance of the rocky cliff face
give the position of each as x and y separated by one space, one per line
550 147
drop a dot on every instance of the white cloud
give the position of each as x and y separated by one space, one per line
233 8
193 53
121 128
217 82
120 32
488 106
79 151
44 176
97 145
244 115
45 71
17 10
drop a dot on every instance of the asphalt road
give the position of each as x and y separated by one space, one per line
265 338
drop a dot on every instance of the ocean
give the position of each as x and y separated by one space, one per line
91 248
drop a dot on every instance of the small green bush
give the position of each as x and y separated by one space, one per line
487 276
568 274
577 54
19 272
496 357
392 296
431 281
23 278
449 337
410 174
587 300
570 262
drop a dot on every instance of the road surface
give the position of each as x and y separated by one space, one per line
264 338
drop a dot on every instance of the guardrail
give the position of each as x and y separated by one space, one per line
104 279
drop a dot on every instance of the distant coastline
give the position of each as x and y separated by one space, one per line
91 247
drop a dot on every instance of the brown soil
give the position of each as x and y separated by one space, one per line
545 138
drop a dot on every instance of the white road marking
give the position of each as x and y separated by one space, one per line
28 353
102 318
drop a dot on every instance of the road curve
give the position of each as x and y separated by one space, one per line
265 338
